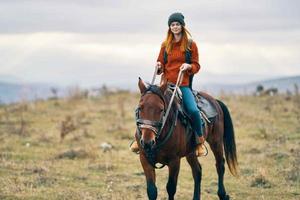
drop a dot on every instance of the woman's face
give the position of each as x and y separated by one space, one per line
176 28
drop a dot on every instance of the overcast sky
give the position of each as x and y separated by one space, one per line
94 42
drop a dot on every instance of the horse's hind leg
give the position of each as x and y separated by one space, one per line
217 149
150 178
174 166
197 174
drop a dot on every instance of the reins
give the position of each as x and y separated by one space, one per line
178 82
157 127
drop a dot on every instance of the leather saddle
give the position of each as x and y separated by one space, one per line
207 111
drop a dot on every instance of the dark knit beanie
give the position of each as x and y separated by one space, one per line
176 17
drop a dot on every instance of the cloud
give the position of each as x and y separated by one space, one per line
89 59
95 42
142 16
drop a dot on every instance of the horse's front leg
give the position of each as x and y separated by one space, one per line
174 166
150 177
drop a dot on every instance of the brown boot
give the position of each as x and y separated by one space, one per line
200 148
134 147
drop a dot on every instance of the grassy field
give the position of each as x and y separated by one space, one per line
52 150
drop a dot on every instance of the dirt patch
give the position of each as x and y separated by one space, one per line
261 181
101 167
254 151
73 154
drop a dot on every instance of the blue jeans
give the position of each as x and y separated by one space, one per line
190 106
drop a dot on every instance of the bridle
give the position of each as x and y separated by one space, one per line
155 126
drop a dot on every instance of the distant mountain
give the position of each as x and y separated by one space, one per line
283 85
9 79
14 92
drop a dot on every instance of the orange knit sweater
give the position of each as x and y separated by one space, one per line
175 59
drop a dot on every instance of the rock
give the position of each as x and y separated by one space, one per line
106 146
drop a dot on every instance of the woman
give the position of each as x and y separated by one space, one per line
172 59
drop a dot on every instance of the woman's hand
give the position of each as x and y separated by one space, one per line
184 67
159 68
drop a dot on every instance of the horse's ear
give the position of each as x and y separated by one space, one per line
142 86
164 85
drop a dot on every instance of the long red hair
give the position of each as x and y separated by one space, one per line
184 40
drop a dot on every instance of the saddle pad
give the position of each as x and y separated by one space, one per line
202 103
205 105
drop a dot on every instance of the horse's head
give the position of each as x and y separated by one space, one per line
150 112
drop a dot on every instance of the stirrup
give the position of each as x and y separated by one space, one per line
203 154
133 150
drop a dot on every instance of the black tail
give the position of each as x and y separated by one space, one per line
229 140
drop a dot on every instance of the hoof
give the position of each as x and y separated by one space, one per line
225 197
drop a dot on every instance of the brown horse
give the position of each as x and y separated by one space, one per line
168 145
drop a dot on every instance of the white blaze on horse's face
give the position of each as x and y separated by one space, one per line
176 28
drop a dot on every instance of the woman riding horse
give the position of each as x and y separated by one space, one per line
171 60
168 144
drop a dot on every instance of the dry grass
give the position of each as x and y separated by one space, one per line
37 164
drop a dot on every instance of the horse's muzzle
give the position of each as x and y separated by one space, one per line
147 144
